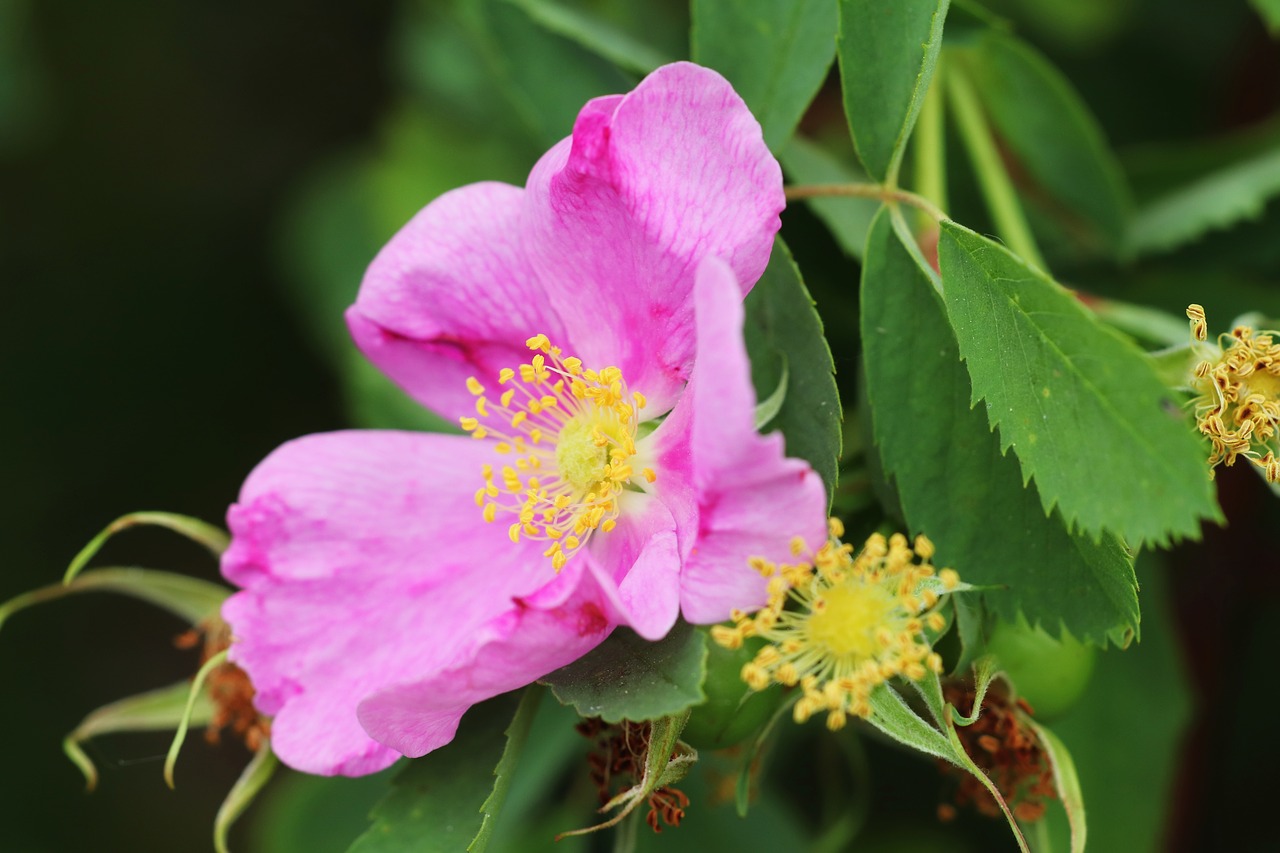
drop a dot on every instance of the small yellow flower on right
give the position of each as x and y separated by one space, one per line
1237 384
855 622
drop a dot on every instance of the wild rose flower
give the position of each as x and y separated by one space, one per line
391 579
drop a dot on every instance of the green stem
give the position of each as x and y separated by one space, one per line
993 178
930 152
867 190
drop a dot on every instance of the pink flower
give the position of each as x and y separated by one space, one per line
391 579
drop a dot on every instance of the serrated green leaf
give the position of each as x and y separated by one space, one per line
434 804
776 55
595 35
154 710
629 678
1066 782
887 50
848 219
213 538
255 775
1082 407
780 319
191 599
954 484
1218 200
1068 171
517 734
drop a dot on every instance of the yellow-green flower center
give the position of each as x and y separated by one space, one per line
567 435
846 620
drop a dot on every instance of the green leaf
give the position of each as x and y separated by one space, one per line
848 219
1218 200
1066 781
776 55
1068 172
781 320
154 710
887 49
517 734
256 774
1270 12
891 715
595 35
435 801
1081 406
954 484
1125 732
629 678
191 599
213 538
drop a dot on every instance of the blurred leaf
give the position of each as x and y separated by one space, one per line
1270 12
190 599
300 813
1065 781
517 735
1125 732
195 694
1071 174
955 485
782 328
213 538
888 50
154 710
595 35
848 219
1081 406
256 774
629 678
435 801
776 55
1218 200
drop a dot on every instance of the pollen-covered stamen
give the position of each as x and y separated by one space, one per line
856 621
568 438
1238 402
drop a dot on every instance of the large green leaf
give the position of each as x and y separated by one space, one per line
1270 12
888 50
1081 406
435 801
1068 173
953 482
1218 200
629 678
784 332
848 218
517 734
594 34
776 55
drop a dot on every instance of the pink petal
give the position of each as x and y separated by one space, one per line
618 217
747 499
417 717
637 565
365 565
452 296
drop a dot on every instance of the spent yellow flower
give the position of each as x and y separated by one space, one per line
854 622
1237 383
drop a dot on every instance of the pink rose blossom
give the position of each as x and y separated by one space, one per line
390 579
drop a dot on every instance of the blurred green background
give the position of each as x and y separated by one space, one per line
190 192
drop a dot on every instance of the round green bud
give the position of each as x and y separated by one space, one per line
1050 674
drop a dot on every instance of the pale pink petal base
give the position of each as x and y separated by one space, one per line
748 499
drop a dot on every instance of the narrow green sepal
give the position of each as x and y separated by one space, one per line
189 598
201 532
158 709
195 692
255 775
768 408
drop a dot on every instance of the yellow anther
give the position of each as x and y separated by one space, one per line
519 418
649 475
506 397
482 407
505 375
539 342
474 386
469 424
490 511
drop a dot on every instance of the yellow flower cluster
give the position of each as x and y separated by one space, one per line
854 621
1237 406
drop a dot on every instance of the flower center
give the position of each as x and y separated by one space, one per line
568 437
846 620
